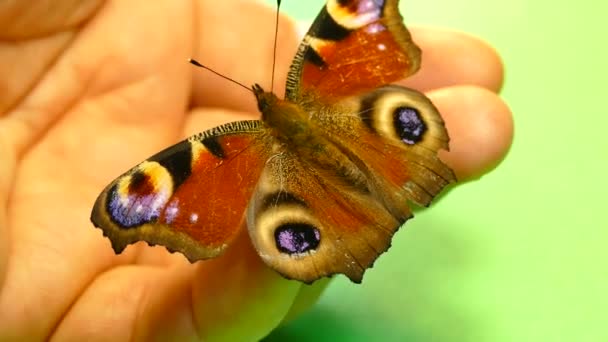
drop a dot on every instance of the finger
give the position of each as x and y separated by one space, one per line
23 63
117 112
101 81
243 52
232 294
110 307
222 299
480 126
25 19
307 297
7 171
143 303
451 58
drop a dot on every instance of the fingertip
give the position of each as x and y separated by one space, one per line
480 126
237 297
452 57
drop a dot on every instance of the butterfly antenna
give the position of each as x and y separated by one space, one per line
274 51
196 63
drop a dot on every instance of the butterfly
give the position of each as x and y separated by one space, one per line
322 181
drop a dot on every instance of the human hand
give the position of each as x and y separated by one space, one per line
91 87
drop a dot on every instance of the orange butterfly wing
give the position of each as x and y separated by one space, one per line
190 197
352 47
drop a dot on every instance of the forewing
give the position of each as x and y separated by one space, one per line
191 197
352 47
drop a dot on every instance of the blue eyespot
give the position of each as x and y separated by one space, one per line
297 238
409 125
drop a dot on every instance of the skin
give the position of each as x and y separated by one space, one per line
98 86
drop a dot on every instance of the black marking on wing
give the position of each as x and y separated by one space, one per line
311 55
328 28
177 159
213 145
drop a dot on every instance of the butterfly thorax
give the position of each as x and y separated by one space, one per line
293 126
287 121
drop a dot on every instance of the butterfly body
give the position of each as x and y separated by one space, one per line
322 181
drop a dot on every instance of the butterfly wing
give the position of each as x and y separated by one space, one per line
377 149
333 205
190 197
308 222
352 47
393 135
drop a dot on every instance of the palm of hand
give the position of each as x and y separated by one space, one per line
83 105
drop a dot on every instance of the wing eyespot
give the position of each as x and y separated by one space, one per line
297 238
139 197
403 115
408 124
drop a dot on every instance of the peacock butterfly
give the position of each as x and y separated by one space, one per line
322 181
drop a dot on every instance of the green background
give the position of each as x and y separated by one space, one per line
521 254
